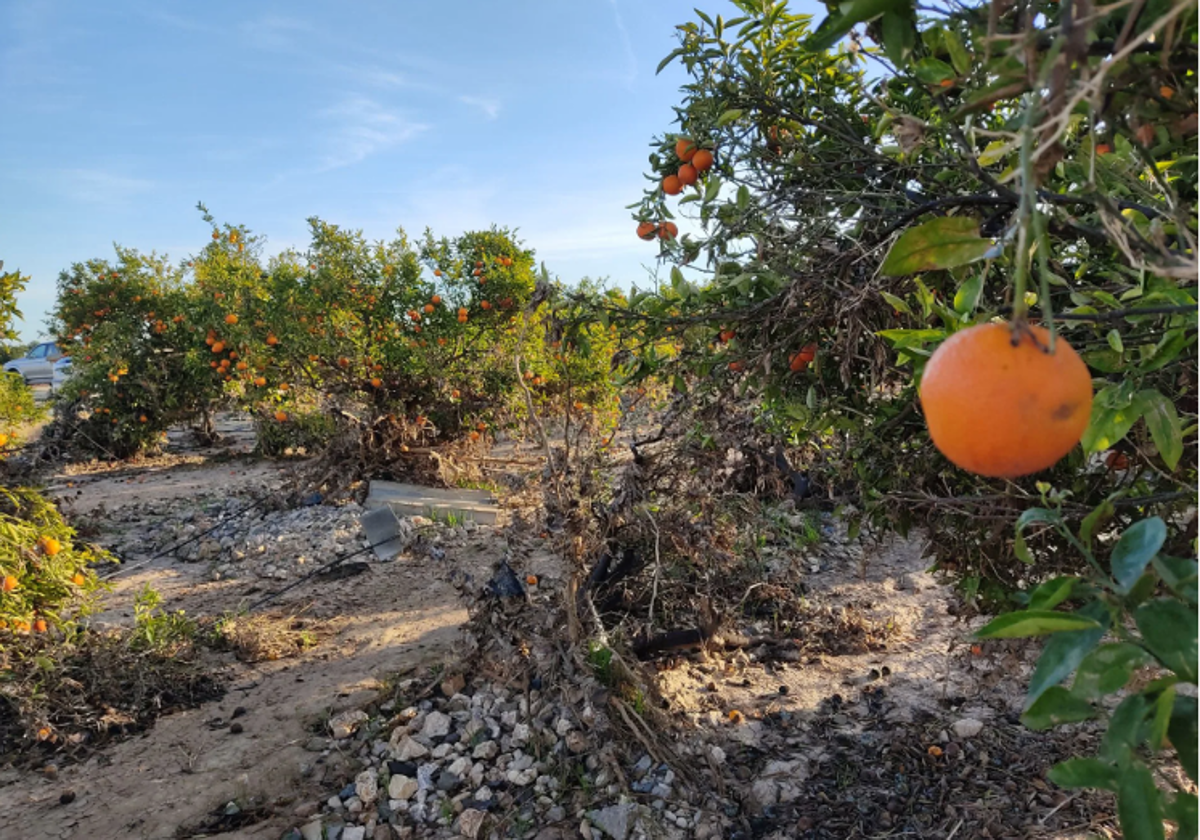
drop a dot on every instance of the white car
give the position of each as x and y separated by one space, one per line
62 370
37 366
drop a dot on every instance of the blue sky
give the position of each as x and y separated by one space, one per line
118 117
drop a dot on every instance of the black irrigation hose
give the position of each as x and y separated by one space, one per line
319 570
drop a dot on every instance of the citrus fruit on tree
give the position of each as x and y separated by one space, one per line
702 160
671 185
687 175
668 230
646 230
684 149
999 404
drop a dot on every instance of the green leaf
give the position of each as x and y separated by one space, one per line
933 71
1057 706
1182 732
1115 342
1136 548
1168 630
1125 728
1107 669
1179 574
1109 424
1084 773
1022 623
743 198
945 242
1163 422
1139 807
897 303
959 57
1064 651
1169 347
995 152
732 115
1051 593
1162 717
837 25
675 53
1182 809
1099 515
899 37
967 296
713 188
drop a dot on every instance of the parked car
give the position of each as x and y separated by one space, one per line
37 366
62 370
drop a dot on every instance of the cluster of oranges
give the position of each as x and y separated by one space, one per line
664 230
801 360
694 162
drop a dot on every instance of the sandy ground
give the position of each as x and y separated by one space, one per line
393 618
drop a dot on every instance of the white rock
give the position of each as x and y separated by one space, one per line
343 725
562 726
718 755
470 822
402 787
366 786
334 802
437 725
967 727
313 831
614 820
408 749
520 735
487 750
354 832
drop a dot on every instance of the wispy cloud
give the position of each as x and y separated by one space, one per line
364 128
630 74
97 186
273 32
490 107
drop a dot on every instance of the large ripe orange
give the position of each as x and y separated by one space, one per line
702 160
684 149
671 185
646 230
668 230
1001 410
688 175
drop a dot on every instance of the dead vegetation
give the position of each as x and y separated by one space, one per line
61 700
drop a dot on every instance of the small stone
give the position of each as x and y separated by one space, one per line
236 729
313 830
453 685
967 727
437 725
334 802
408 749
402 788
344 724
366 787
614 820
354 832
66 797
448 782
470 822
576 742
487 750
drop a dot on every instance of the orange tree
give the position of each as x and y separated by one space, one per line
870 196
137 368
852 205
426 336
45 575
